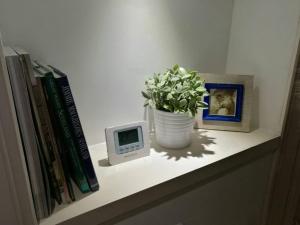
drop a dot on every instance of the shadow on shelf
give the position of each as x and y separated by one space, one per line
198 147
78 196
104 163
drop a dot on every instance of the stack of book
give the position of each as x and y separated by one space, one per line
55 148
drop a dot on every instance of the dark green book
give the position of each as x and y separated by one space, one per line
74 121
54 97
63 155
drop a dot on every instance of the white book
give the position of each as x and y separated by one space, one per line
30 80
27 131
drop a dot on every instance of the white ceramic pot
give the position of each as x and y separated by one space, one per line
172 130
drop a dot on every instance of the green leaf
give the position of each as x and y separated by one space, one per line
150 81
201 89
159 85
156 78
181 70
190 113
151 103
145 95
202 105
205 93
167 107
175 67
178 87
174 79
194 72
192 92
186 76
199 98
165 76
169 96
167 89
146 103
182 102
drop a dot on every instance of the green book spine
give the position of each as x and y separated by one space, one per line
61 116
48 131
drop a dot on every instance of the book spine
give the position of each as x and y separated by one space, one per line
60 113
49 188
48 133
40 135
74 122
63 154
25 121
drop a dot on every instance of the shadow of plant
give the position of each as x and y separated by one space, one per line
103 163
198 147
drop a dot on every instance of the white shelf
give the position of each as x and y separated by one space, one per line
118 183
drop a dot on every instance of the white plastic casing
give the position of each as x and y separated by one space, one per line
113 147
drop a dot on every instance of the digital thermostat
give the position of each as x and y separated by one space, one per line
127 142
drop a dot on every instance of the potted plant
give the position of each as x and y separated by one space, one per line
175 96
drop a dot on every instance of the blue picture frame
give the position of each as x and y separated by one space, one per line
238 106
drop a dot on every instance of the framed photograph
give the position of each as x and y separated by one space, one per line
229 103
225 102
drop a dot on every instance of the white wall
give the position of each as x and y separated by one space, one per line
262 42
110 47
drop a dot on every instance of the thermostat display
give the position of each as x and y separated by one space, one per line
127 142
129 136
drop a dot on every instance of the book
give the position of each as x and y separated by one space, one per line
51 139
63 155
46 152
74 121
27 132
52 93
54 157
50 203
